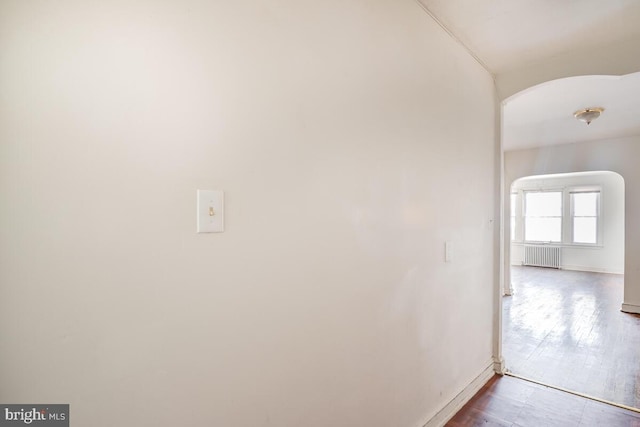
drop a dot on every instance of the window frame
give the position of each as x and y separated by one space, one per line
598 216
513 227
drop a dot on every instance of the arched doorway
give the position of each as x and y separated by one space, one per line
593 153
563 325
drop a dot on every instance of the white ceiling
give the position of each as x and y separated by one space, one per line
512 36
507 34
543 115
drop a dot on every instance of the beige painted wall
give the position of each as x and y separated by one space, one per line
620 156
335 130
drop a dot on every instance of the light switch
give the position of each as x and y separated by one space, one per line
210 211
448 251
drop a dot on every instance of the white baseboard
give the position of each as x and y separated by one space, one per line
581 268
451 408
498 366
590 269
631 308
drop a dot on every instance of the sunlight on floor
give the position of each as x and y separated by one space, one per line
565 328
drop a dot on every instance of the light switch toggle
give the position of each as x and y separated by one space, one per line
210 209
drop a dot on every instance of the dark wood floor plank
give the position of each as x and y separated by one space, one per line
508 401
477 418
551 407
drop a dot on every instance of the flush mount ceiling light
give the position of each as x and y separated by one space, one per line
588 114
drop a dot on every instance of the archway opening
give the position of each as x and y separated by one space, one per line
562 323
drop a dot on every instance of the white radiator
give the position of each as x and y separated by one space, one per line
542 256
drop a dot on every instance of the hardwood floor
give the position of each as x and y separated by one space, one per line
565 328
507 401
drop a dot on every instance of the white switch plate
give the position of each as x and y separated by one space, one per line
448 251
210 211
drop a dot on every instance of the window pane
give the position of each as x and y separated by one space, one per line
543 229
543 203
585 230
513 204
585 204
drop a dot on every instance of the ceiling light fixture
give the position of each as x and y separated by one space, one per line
588 114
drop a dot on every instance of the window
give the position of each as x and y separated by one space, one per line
513 216
584 216
543 216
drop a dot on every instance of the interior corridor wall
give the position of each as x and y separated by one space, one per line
617 155
335 130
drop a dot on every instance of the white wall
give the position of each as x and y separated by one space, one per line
335 130
605 257
618 155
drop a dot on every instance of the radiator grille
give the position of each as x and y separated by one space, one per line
542 256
